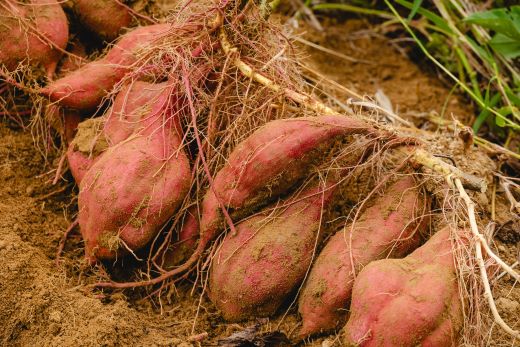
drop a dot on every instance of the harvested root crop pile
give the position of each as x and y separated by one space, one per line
203 157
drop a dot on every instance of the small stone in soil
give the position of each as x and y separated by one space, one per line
29 190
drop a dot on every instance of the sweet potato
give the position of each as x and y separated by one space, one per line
106 18
139 107
35 32
389 228
84 88
86 147
131 191
255 270
270 161
136 108
408 302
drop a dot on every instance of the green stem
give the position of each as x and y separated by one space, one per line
354 9
471 73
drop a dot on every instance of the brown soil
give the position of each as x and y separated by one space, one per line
43 304
373 62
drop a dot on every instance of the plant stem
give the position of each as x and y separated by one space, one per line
354 9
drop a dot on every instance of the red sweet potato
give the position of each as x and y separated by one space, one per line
85 88
136 107
270 161
255 270
389 228
106 18
86 147
408 302
130 192
35 32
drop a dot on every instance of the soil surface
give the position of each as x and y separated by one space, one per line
43 303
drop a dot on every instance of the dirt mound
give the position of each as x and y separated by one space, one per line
41 307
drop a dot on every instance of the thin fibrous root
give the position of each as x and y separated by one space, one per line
481 242
66 234
419 156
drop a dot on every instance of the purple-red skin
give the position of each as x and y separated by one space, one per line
85 88
276 156
39 43
257 268
106 18
136 107
139 108
389 228
130 192
136 185
79 163
408 302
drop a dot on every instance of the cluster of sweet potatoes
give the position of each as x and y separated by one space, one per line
260 265
272 252
264 208
359 278
36 32
131 168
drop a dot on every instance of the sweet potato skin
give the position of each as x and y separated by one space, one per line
136 107
106 18
270 161
19 43
386 229
130 192
415 302
255 270
85 88
140 108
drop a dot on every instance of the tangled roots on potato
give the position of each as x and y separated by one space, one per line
35 34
